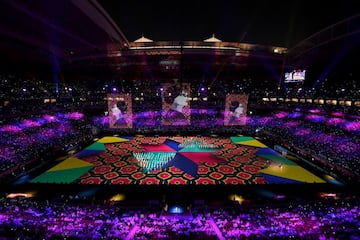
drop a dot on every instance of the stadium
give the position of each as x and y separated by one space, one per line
196 128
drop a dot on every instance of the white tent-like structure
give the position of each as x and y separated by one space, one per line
143 39
212 39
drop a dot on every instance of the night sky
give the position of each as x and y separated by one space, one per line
278 23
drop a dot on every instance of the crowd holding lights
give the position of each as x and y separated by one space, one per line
40 121
26 218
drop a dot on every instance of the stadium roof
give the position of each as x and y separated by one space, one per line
279 23
60 31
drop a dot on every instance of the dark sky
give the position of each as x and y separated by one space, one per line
279 23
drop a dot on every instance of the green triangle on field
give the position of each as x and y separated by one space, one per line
62 176
96 146
241 139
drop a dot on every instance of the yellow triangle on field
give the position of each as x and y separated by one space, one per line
253 143
70 163
292 172
112 140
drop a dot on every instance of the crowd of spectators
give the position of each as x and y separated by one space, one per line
320 220
34 142
24 218
25 97
24 94
327 142
35 128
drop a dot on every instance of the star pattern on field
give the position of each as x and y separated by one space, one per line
186 156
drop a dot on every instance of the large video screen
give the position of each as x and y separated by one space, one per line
120 110
235 109
175 104
295 76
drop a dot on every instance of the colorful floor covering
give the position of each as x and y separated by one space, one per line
178 160
65 172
